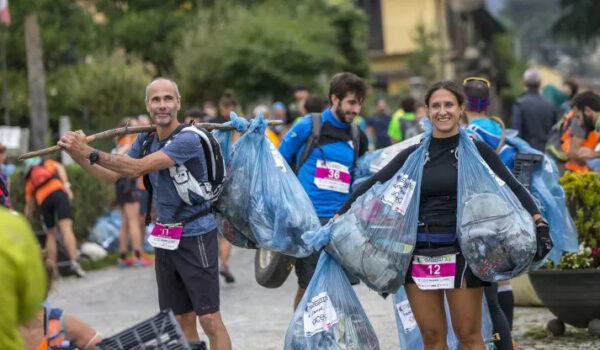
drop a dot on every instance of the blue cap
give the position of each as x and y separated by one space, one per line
277 106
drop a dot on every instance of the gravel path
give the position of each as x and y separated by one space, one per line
113 299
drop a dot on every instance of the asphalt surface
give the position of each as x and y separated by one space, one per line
113 299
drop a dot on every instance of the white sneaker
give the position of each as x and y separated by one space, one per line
76 268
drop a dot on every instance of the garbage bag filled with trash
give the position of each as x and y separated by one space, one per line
262 199
375 238
496 234
410 335
329 316
546 188
373 161
224 137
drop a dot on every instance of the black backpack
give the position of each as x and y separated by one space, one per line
215 165
315 137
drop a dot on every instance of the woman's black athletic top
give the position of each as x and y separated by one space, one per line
437 209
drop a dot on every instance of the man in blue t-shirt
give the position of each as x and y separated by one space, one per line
326 174
186 239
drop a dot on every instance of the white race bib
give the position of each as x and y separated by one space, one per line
400 193
406 315
319 315
332 176
434 272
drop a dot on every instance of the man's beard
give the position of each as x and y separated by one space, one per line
343 117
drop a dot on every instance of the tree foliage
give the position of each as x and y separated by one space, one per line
578 20
420 62
264 50
102 91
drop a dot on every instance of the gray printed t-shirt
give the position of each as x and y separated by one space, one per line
181 148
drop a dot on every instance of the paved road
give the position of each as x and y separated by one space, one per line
257 318
112 299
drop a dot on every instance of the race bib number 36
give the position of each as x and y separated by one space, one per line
332 176
319 315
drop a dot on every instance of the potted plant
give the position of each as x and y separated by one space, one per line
571 289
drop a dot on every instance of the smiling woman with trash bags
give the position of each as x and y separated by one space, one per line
475 224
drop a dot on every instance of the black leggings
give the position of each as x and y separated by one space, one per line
499 320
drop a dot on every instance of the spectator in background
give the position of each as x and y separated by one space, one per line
48 186
194 115
315 104
378 124
279 112
416 129
532 115
570 88
227 104
297 107
209 110
4 183
402 120
22 276
127 197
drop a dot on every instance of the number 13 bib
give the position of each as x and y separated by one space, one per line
332 176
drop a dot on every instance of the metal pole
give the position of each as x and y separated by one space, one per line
5 77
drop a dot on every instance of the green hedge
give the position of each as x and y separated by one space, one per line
90 198
583 200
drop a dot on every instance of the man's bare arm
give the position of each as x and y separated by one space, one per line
111 167
133 167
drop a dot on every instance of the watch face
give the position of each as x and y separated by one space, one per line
94 157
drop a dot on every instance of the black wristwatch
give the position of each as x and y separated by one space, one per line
93 157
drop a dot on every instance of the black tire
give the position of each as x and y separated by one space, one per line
271 269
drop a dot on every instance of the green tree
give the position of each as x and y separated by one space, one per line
577 20
260 52
149 29
102 91
420 62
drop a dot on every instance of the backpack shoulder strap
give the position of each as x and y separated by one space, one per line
355 132
146 178
215 162
312 141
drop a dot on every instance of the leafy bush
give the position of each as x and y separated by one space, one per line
90 198
583 199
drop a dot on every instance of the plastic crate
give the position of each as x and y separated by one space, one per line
161 332
525 164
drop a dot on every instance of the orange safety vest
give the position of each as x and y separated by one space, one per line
589 142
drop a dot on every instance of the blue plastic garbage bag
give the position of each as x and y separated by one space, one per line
546 188
329 316
371 162
262 198
410 336
375 238
105 231
496 234
224 136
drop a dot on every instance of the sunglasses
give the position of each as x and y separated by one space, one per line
483 80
